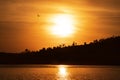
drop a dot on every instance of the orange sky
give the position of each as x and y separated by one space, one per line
21 28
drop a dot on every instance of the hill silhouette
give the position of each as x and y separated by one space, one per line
99 52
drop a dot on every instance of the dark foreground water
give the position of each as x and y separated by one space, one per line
59 72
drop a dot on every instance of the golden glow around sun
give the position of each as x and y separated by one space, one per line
63 25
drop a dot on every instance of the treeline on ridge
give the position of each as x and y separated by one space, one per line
103 51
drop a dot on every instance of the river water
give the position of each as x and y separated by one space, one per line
59 72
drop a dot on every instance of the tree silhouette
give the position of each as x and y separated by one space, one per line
102 51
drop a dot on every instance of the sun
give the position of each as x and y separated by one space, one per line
63 25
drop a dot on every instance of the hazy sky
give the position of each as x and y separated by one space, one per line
21 28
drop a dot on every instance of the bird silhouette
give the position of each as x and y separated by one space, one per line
38 15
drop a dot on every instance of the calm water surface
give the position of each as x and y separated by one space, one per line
59 72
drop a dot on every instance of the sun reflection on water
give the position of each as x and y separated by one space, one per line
62 72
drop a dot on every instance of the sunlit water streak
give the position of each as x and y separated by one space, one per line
59 72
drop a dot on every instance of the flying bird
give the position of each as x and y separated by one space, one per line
38 15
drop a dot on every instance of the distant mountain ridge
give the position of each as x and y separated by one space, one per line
99 52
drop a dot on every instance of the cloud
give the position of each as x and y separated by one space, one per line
16 9
113 4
